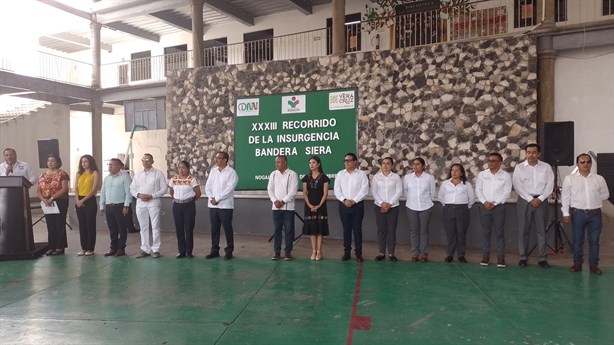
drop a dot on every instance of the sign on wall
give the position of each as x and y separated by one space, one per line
298 125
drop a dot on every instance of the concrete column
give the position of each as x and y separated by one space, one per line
96 106
546 14
339 27
545 89
197 33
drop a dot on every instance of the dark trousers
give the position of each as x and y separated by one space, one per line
56 226
221 217
117 223
386 229
456 223
86 215
283 220
185 219
351 219
493 219
528 216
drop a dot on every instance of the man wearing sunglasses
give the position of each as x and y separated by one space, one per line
582 198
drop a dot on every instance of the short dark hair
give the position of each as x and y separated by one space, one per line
539 149
57 159
582 155
148 154
497 154
388 158
9 149
421 160
282 157
118 161
224 154
186 164
351 154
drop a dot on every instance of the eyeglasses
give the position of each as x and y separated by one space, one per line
146 160
585 162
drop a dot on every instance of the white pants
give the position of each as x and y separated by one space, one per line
146 210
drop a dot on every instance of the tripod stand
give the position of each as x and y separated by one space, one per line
560 236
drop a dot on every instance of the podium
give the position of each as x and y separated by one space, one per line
16 236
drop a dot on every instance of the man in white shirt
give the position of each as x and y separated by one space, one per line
533 180
148 186
12 167
351 187
283 184
582 198
220 188
492 187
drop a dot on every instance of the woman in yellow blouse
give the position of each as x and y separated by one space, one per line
86 187
53 190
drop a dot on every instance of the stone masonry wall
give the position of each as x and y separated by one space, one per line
448 103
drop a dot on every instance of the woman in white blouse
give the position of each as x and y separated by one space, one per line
185 190
420 190
386 188
457 196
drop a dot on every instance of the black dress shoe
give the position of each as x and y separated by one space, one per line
190 256
359 258
448 259
228 256
522 263
110 253
346 257
49 252
393 258
180 256
380 257
462 260
543 264
212 255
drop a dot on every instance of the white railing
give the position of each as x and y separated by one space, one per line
482 18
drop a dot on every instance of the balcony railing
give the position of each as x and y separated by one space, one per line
478 19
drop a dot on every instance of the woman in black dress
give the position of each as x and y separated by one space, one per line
315 192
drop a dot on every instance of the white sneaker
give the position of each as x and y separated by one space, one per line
81 253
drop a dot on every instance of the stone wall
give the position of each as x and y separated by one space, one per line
447 103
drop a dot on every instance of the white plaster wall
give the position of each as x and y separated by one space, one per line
584 93
23 133
115 141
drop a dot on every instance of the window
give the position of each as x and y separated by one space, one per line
525 13
258 46
175 57
352 34
608 7
417 23
140 66
149 113
216 52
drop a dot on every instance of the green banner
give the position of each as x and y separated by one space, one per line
298 125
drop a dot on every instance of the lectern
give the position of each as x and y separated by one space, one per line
16 236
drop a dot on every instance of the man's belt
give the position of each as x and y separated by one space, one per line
591 211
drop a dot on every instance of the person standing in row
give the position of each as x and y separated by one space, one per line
582 198
115 199
53 190
220 188
533 180
351 187
492 188
148 186
386 188
87 181
315 193
420 190
457 196
282 187
13 167
185 190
